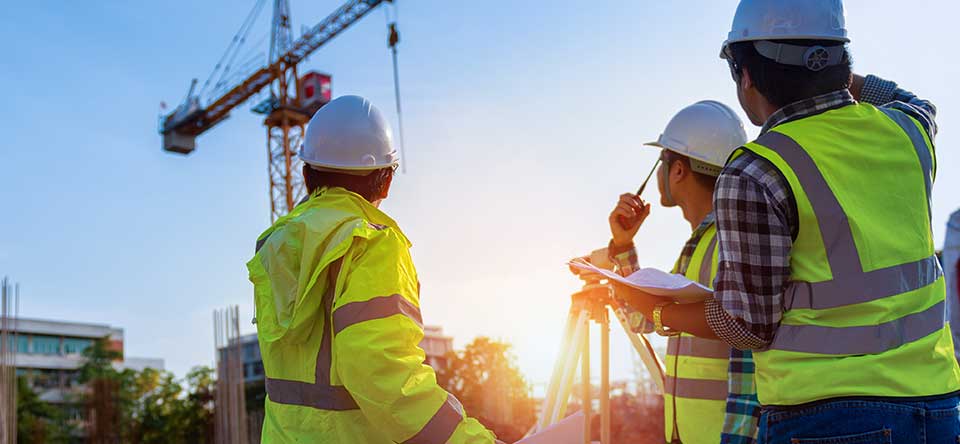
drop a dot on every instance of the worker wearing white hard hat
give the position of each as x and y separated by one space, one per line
337 302
694 147
828 271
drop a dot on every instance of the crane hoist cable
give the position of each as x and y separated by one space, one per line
233 48
392 41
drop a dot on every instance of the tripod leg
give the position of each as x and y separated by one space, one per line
585 377
640 343
567 347
570 366
605 377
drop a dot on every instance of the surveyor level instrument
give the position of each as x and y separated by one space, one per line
591 304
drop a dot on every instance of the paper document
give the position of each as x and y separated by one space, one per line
568 431
655 282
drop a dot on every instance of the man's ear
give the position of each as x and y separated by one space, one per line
745 81
386 186
679 170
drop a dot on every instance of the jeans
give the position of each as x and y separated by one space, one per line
863 422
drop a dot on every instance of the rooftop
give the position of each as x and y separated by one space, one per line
66 328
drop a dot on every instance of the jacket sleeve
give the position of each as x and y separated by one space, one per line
377 328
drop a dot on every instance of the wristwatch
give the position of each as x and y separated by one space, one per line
658 321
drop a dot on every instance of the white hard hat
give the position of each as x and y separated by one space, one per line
788 20
349 133
760 20
706 132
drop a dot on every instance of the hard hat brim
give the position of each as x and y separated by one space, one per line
728 42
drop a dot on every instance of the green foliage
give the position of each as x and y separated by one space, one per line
140 407
37 421
486 380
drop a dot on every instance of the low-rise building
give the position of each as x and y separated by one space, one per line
49 353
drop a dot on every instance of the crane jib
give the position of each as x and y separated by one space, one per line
195 124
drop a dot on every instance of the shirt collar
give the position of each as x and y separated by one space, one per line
808 107
707 221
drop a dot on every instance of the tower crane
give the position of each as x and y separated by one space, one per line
291 102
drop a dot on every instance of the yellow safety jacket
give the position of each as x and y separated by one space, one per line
695 393
338 321
865 302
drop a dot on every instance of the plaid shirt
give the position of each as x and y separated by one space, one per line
742 411
757 221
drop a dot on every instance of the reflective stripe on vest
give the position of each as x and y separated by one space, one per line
697 347
850 284
442 425
923 154
376 308
319 394
708 389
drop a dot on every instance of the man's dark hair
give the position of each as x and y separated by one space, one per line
783 84
370 187
705 180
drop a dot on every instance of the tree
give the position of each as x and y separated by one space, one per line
198 406
486 380
145 407
37 421
102 393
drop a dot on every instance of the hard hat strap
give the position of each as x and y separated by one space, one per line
664 177
814 58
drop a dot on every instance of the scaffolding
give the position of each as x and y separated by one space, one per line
9 310
229 412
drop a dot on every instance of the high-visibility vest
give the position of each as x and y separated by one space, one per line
695 393
865 301
338 321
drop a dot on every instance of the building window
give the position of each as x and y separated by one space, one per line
76 346
46 379
22 344
46 345
258 368
72 378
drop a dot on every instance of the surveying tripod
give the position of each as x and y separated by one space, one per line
591 304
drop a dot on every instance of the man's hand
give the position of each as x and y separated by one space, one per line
638 299
632 210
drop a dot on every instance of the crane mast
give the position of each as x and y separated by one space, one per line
285 109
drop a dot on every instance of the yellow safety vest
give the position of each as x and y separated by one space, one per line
696 388
865 302
338 321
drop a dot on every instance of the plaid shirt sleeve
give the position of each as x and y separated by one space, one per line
885 93
625 263
756 219
624 259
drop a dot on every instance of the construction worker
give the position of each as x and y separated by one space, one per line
337 302
694 147
827 266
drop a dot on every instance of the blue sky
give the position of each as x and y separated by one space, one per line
524 123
